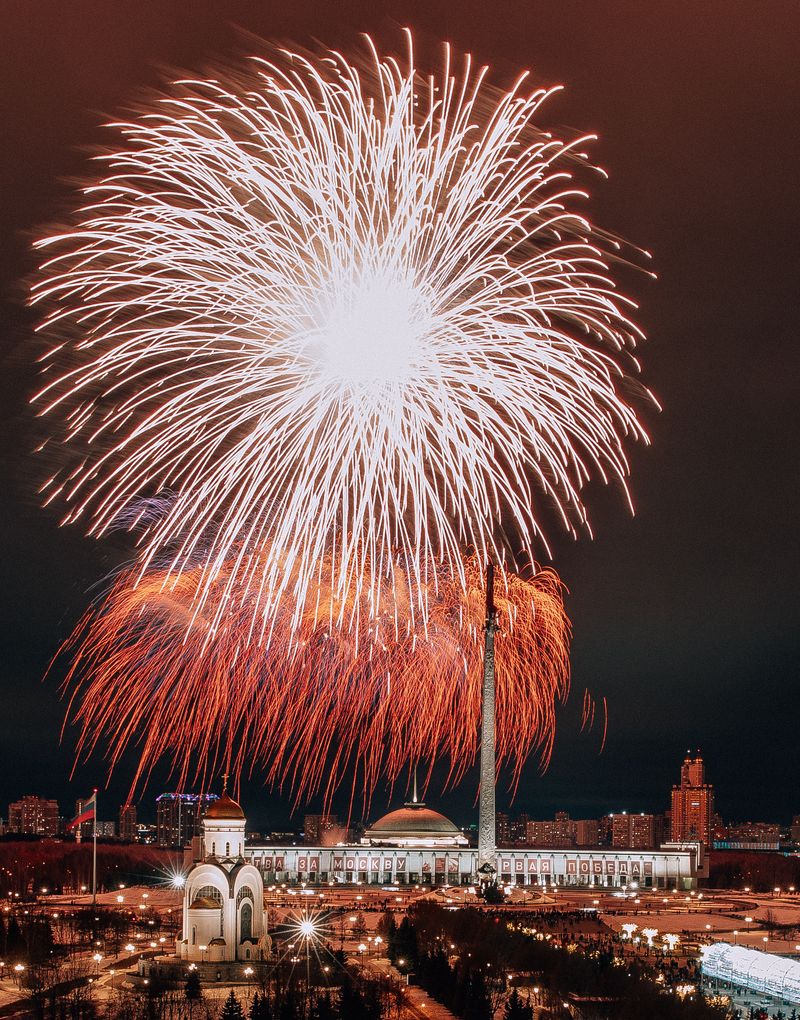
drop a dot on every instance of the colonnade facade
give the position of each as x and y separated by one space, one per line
667 867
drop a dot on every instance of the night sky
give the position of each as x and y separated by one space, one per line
686 615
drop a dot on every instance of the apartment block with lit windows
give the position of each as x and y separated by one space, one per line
692 803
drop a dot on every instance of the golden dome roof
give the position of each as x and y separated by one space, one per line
225 808
413 819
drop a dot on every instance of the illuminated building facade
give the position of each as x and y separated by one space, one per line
178 817
636 831
34 816
748 836
128 827
417 845
692 803
669 867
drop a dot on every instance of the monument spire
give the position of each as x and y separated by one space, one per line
487 836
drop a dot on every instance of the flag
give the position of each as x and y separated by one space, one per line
87 813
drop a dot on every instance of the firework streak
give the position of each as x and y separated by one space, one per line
341 318
316 699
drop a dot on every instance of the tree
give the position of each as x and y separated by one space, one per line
516 1009
232 1010
478 1005
404 946
15 944
323 1008
387 926
260 1008
192 989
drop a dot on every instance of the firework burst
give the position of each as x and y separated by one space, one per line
317 700
338 321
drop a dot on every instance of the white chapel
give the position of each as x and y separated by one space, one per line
223 901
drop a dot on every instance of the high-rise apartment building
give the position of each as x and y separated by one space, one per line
692 803
178 817
587 832
503 829
128 828
557 833
34 816
634 831
519 828
794 831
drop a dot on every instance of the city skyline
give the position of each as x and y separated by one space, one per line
676 818
684 615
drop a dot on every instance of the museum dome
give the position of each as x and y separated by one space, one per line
417 818
414 823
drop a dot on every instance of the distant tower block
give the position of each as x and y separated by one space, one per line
487 836
692 803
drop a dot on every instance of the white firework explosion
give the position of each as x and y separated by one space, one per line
341 313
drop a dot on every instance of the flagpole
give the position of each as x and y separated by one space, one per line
94 854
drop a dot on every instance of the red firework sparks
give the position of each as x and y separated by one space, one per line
341 692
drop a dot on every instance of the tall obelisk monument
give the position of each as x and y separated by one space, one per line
487 835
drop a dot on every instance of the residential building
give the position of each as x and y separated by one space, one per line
178 817
587 832
34 816
692 803
632 831
128 828
503 829
748 836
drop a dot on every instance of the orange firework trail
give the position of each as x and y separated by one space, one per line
341 691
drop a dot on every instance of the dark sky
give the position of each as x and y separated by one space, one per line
685 616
